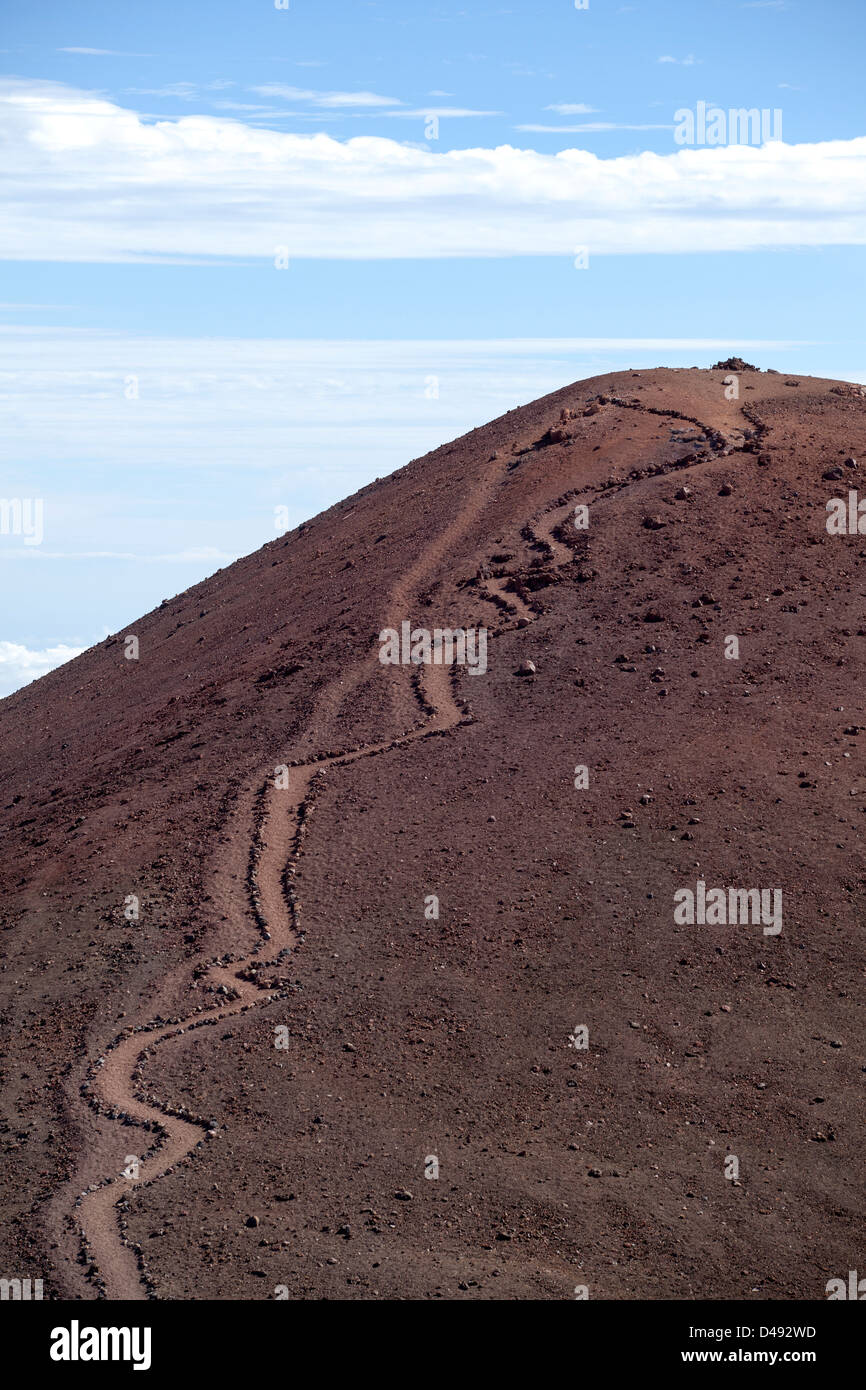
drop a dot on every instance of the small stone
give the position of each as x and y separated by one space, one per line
526 668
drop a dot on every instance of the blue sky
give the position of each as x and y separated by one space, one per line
242 266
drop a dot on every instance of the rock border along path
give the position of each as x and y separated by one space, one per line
114 1084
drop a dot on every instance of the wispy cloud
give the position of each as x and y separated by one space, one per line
104 53
569 108
421 112
241 106
186 91
589 128
326 99
687 62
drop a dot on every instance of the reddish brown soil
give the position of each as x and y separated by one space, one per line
305 907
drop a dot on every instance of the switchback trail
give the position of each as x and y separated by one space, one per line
115 1083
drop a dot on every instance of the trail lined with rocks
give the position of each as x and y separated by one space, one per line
115 1083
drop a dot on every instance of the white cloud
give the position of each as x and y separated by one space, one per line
88 180
241 106
571 108
688 62
424 111
327 99
589 127
103 53
19 664
186 91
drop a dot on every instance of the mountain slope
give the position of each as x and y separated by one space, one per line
412 1037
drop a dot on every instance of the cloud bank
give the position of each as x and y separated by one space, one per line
87 180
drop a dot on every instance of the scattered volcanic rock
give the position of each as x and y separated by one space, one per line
734 364
310 934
